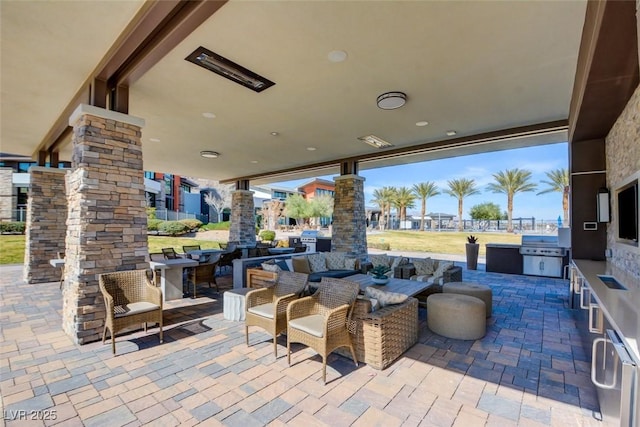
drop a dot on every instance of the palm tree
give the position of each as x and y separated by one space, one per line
424 190
461 188
404 198
510 182
383 198
559 182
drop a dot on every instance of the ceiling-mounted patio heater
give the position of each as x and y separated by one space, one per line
229 69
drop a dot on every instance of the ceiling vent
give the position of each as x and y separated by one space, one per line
374 141
229 69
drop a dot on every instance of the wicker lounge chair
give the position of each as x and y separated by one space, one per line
267 307
320 320
130 299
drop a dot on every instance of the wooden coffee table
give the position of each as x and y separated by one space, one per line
401 286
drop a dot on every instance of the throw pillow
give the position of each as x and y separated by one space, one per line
283 265
398 261
335 260
301 265
350 263
424 267
442 267
317 262
385 298
377 260
270 266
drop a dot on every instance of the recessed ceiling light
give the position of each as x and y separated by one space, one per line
375 141
311 148
275 133
154 140
391 100
451 132
210 154
337 55
422 123
254 161
208 115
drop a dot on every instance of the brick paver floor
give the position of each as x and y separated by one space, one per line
529 370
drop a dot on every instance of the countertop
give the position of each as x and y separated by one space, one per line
503 245
620 307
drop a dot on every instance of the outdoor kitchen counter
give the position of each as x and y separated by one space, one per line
504 258
621 307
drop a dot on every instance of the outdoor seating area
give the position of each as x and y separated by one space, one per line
515 374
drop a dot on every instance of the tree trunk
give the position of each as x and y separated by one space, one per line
460 224
509 213
565 205
423 213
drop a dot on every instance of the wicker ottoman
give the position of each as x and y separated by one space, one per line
456 316
473 290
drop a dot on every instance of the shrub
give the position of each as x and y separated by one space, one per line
192 224
12 227
152 224
172 227
151 213
216 226
385 246
267 235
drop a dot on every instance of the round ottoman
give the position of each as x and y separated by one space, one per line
456 316
473 290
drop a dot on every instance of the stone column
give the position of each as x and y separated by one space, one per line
45 227
243 220
6 194
106 224
349 217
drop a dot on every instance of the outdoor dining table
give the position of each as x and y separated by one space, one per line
205 254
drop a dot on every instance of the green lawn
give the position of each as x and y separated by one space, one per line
12 247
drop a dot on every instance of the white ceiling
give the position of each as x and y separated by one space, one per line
473 67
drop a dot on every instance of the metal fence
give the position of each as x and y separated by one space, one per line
168 215
520 225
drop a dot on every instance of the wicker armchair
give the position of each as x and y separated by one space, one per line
320 321
130 299
267 307
203 273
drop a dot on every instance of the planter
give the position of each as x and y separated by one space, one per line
472 255
377 281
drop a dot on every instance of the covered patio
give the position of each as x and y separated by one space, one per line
529 370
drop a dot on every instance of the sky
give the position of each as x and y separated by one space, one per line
479 167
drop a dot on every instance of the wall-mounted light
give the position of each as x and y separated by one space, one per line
603 205
210 154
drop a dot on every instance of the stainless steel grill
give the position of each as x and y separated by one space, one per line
310 238
541 256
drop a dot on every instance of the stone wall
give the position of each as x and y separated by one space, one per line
623 161
243 220
349 216
106 224
6 193
45 227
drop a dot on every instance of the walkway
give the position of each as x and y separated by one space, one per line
529 370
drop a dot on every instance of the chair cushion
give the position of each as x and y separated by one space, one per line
338 274
317 262
271 266
442 267
312 324
284 266
263 310
385 298
350 263
301 264
134 308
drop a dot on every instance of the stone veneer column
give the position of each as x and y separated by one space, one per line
45 227
106 224
6 193
623 162
349 216
243 220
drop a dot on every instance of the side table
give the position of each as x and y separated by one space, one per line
234 303
404 271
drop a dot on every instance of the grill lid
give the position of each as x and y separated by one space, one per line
540 241
311 234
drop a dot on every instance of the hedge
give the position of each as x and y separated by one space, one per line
172 227
12 227
267 235
192 224
152 224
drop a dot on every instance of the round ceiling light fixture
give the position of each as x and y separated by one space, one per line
391 100
337 55
210 154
